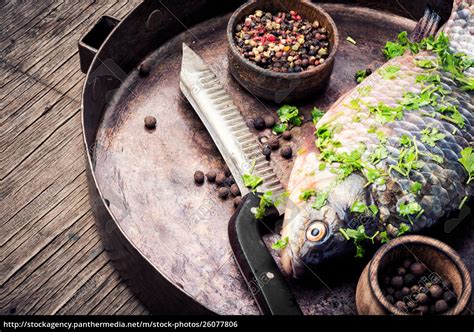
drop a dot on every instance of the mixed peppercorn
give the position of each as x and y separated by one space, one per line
283 42
225 183
414 289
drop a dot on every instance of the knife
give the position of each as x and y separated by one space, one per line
242 154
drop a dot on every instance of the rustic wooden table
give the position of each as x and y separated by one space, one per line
52 259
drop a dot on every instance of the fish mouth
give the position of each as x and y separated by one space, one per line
291 266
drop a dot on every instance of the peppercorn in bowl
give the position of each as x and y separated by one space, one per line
281 51
414 275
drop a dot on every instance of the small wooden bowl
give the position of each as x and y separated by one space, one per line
281 87
436 255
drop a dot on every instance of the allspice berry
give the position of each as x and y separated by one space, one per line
259 123
220 179
223 192
286 135
273 142
234 190
286 152
199 177
150 122
211 176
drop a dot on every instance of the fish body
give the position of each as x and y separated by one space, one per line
385 159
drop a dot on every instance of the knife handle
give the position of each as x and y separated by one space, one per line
260 271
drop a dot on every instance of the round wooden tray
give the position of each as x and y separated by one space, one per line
178 229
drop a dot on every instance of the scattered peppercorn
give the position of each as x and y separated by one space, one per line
223 192
199 177
259 123
273 142
211 176
286 135
286 152
220 179
150 122
229 181
234 190
282 42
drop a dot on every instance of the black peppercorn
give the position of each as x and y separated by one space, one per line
199 177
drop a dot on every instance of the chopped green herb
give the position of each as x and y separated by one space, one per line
463 201
307 194
364 90
425 64
467 160
322 166
358 207
428 78
252 181
287 113
431 136
360 75
375 176
384 237
320 201
384 113
405 140
403 228
266 201
409 209
317 114
358 236
280 244
389 72
379 154
374 209
280 128
415 187
451 114
381 136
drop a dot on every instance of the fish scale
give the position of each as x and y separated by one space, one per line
443 184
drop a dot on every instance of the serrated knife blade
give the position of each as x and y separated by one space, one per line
214 106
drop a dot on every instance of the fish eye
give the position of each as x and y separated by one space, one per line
316 231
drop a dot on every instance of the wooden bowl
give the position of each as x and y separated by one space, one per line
437 256
281 87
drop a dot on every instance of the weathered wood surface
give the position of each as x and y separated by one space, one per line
52 260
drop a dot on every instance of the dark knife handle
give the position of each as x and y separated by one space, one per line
261 273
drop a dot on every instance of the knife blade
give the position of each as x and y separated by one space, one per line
214 106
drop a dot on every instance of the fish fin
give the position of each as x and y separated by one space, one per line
427 25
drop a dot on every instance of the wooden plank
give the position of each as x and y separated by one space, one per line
52 257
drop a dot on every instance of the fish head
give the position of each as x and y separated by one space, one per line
313 234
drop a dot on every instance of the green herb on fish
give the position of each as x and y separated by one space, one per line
389 72
307 194
425 64
431 136
280 244
451 113
322 166
467 160
403 228
415 188
320 200
316 114
359 207
354 104
405 140
409 209
384 113
364 90
384 238
374 176
394 49
428 78
379 154
350 162
358 236
463 201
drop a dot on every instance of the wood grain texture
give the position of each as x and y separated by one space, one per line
52 259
